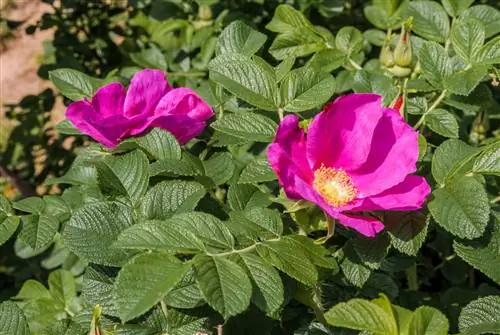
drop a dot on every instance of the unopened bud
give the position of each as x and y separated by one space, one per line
479 128
403 51
386 56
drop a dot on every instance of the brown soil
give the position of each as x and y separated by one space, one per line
19 61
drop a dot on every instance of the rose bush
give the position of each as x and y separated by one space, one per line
295 175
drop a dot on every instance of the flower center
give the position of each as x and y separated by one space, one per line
334 185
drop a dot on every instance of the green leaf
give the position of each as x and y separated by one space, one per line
33 290
297 43
490 52
456 7
250 126
258 223
224 284
158 143
284 255
182 322
127 174
188 165
149 58
481 316
407 231
97 288
286 18
429 20
375 36
62 287
488 161
283 68
144 281
449 157
12 320
245 196
220 167
304 88
428 321
164 236
467 37
327 60
461 207
206 227
436 66
372 251
352 266
257 171
30 205
315 252
442 122
38 230
240 38
73 84
171 197
349 40
8 222
65 127
362 315
186 294
488 15
378 17
268 292
465 81
94 228
245 78
483 255
367 82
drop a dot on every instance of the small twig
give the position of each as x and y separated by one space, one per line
431 108
220 330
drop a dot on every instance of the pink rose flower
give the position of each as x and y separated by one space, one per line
115 113
357 156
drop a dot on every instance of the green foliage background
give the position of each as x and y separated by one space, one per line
180 240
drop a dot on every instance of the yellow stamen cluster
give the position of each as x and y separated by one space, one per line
334 185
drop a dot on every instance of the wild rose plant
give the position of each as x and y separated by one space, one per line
208 202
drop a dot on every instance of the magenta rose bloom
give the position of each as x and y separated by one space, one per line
115 113
357 156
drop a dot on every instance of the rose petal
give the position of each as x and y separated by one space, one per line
408 195
365 225
287 156
182 112
146 89
109 100
107 131
341 135
393 156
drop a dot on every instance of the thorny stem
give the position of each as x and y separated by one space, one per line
412 277
431 108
